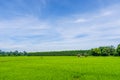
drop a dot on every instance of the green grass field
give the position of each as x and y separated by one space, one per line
59 68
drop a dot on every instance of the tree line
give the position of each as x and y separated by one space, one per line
100 51
106 51
13 53
60 53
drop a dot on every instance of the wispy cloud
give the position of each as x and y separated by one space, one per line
14 8
75 31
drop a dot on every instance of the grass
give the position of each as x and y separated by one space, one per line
59 68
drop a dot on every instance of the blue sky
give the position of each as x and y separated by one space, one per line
46 25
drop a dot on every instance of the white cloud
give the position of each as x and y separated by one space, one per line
20 32
101 30
73 32
80 20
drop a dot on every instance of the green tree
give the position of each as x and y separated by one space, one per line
0 53
95 52
112 50
25 53
118 49
15 53
105 51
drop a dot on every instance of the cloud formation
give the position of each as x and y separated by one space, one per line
76 31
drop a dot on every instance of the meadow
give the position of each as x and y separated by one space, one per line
59 68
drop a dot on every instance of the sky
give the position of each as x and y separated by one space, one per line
50 25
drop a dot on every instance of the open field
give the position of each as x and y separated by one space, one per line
59 68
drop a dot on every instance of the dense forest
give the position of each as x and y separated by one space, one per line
100 51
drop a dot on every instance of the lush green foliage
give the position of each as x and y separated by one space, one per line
60 53
59 68
15 53
101 51
95 52
118 49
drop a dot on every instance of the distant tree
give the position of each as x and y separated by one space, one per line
15 53
25 53
0 53
118 49
105 51
9 54
95 51
112 50
3 53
